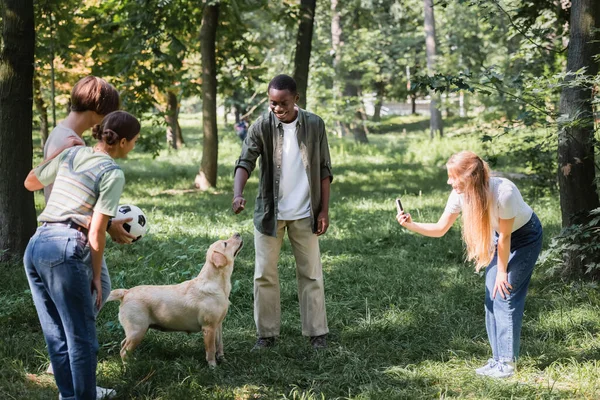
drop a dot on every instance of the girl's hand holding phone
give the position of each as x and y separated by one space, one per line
402 217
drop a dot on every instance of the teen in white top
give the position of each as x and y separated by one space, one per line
507 203
60 138
294 190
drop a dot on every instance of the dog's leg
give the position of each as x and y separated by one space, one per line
134 320
209 344
219 343
131 341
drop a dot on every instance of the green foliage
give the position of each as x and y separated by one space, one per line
405 312
144 46
581 239
151 140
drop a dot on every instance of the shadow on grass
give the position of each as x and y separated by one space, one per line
405 314
401 310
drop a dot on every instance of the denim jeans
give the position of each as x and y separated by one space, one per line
60 282
104 279
504 317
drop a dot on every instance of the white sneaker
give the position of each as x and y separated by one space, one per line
101 393
491 364
503 370
104 393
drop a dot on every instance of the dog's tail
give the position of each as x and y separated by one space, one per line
117 294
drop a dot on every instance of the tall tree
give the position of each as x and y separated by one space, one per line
350 110
149 51
17 211
174 135
576 174
336 46
303 47
56 25
435 124
207 176
41 108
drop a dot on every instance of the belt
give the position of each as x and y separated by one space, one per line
70 224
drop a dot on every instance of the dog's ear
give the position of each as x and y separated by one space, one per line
218 259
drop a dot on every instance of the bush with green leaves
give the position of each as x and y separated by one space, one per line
584 239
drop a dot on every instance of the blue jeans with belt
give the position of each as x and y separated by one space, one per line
60 282
504 317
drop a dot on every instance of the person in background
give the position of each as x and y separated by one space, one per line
241 129
502 234
87 187
294 185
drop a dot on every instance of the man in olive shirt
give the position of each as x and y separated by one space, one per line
295 178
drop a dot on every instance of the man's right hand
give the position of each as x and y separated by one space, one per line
238 204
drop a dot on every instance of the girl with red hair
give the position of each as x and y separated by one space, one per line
502 234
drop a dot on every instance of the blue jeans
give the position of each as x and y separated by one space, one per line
60 282
504 317
104 279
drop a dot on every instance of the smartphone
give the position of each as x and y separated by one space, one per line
399 206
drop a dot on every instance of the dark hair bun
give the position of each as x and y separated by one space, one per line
109 136
105 135
116 126
96 130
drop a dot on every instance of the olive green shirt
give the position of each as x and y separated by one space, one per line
264 140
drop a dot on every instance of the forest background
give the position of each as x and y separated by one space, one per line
400 84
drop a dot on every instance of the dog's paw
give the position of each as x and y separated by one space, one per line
212 364
221 358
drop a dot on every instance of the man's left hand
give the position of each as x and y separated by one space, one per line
322 223
118 233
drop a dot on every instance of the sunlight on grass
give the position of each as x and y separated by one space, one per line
405 312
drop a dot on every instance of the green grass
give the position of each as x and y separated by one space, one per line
405 312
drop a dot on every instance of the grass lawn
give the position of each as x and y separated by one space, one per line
405 312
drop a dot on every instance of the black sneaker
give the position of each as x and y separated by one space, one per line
318 342
264 343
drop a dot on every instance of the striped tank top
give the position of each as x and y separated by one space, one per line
75 192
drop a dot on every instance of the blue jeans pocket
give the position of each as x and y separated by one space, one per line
51 251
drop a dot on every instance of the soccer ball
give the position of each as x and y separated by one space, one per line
139 225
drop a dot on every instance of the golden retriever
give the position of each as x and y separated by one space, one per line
199 304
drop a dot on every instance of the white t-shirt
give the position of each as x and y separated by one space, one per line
506 200
294 190
57 140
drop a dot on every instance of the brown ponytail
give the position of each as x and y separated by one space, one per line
116 126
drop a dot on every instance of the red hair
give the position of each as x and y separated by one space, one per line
473 174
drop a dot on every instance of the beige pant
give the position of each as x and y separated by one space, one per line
309 274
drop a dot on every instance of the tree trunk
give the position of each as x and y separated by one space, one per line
41 108
576 166
349 97
207 176
174 136
17 209
337 44
435 124
413 104
357 126
380 86
52 69
303 48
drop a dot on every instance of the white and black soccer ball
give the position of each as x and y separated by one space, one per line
139 225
